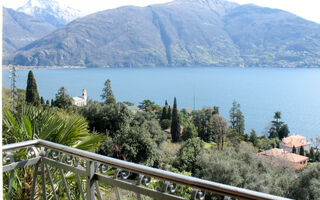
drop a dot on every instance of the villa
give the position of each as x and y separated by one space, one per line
296 141
168 130
281 157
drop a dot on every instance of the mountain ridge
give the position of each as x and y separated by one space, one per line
50 11
20 29
180 33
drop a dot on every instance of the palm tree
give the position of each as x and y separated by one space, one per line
51 124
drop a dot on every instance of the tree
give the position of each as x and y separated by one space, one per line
306 185
317 156
294 149
41 100
246 137
148 105
175 123
187 155
219 127
107 93
169 113
166 123
283 132
165 115
278 128
131 143
236 118
32 95
240 167
50 124
312 154
63 100
315 142
47 103
153 127
201 119
253 137
277 116
215 110
301 151
106 118
189 132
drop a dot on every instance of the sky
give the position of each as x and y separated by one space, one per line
308 9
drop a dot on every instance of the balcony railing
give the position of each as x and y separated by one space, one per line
93 173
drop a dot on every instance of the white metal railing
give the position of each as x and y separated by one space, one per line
93 172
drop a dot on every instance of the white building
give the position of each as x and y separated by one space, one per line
295 141
81 100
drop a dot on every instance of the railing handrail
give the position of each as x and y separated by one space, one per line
201 184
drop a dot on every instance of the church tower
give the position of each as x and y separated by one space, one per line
84 96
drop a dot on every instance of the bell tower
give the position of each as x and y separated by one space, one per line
84 96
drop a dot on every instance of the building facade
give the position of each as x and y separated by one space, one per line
81 100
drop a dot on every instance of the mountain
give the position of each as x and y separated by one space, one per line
50 11
271 37
180 33
20 29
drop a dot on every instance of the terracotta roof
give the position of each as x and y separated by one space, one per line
284 155
295 140
168 130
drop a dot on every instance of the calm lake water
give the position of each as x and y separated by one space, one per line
260 92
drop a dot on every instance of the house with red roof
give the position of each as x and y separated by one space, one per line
295 141
168 130
281 157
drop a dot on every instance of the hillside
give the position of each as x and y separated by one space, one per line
20 29
180 33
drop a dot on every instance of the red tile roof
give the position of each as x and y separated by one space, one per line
295 140
283 154
168 130
284 158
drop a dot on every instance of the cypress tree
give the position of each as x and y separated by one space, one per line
32 95
312 154
107 93
41 101
175 123
302 151
52 103
294 150
169 113
164 113
47 102
318 156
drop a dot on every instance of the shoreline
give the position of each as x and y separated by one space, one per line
7 67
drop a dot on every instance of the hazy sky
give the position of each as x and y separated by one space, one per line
308 9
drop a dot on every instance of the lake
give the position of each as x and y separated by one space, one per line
260 91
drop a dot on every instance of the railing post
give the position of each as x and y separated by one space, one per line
44 192
11 177
90 180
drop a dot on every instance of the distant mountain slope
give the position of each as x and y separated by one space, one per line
180 33
273 37
50 11
20 29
